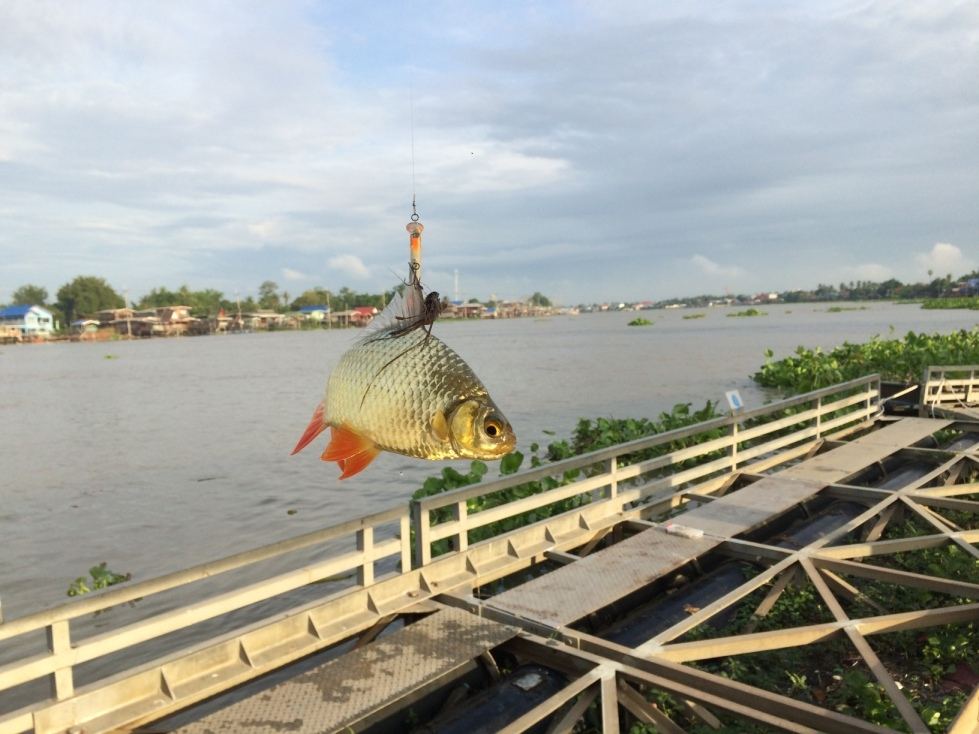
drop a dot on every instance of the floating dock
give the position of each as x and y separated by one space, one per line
617 588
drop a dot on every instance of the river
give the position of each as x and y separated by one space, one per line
155 455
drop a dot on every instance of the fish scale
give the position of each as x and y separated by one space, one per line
406 381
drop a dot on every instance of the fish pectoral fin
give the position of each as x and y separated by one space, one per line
351 450
440 426
316 425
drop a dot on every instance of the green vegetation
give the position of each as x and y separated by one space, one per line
895 359
640 321
841 309
689 316
86 294
538 299
970 302
101 578
747 313
30 295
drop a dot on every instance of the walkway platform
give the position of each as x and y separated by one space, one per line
363 685
598 580
495 607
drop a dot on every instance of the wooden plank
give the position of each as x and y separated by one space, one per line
834 466
575 590
751 506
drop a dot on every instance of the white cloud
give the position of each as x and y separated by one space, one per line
350 265
709 267
280 133
290 274
944 258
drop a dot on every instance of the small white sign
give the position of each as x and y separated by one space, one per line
734 400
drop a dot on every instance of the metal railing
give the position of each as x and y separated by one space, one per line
944 386
663 466
721 445
64 654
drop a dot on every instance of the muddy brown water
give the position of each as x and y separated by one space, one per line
156 455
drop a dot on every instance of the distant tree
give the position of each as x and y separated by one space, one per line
85 295
889 288
159 297
268 294
30 295
207 302
312 297
540 300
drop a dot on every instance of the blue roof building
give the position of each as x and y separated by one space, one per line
314 313
31 320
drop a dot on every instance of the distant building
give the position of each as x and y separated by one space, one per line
362 315
84 330
109 316
314 313
31 321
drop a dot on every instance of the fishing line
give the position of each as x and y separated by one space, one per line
411 124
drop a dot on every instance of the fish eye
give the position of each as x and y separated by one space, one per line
492 427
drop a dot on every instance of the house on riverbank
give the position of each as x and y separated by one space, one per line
33 322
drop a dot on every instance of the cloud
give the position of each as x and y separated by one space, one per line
709 267
802 138
349 265
944 258
290 274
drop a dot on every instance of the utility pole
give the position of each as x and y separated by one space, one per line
129 316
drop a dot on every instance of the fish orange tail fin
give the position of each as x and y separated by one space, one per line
315 428
352 451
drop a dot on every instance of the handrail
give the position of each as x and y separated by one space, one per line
106 598
458 527
939 388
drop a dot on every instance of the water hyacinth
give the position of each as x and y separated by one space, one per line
900 360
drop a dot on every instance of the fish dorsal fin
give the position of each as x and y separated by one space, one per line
405 308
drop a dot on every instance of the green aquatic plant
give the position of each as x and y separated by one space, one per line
969 302
747 313
640 321
841 309
101 578
902 360
689 316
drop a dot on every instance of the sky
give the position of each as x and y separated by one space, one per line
615 150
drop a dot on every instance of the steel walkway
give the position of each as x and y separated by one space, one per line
360 686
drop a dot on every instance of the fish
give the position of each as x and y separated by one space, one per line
402 389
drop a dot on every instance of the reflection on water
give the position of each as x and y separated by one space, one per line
177 451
